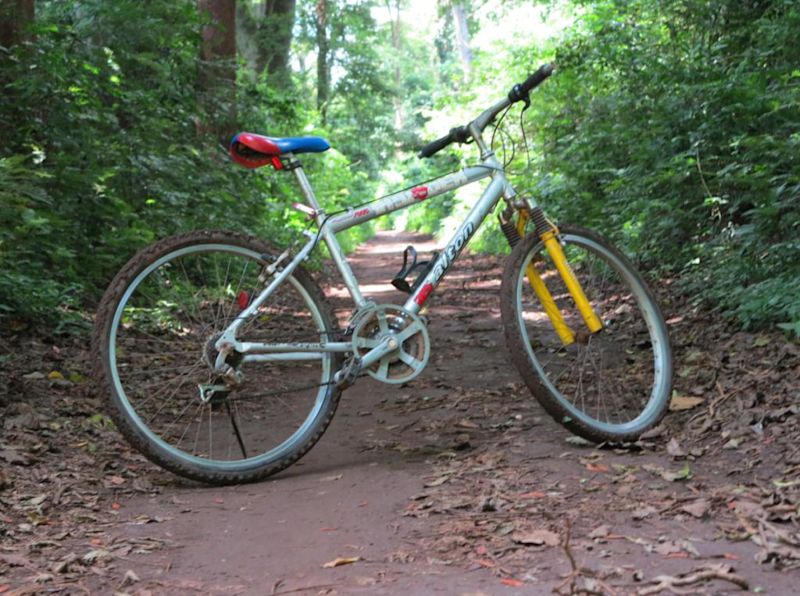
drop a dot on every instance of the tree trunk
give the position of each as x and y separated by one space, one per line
323 59
399 116
264 36
15 16
218 67
462 37
280 14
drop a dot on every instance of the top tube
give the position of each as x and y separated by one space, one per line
410 196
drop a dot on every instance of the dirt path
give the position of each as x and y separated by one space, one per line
345 499
456 483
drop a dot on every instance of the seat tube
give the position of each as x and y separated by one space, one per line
329 237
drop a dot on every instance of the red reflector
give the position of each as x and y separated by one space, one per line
423 294
243 300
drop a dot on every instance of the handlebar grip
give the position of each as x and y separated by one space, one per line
520 91
460 134
435 146
536 78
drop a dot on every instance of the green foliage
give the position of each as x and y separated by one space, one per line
106 154
672 127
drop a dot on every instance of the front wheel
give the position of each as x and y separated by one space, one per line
610 385
154 352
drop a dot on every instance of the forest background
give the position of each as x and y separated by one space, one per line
671 126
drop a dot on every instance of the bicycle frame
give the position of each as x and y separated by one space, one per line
329 227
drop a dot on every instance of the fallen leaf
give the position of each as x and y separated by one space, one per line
578 441
674 449
438 482
12 456
95 555
331 478
130 578
535 494
514 583
697 508
15 560
34 376
685 473
55 375
597 467
600 532
684 402
537 538
643 512
339 561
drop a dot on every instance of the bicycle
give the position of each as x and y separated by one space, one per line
224 363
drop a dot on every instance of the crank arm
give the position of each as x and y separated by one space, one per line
345 376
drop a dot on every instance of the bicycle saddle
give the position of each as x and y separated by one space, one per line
253 151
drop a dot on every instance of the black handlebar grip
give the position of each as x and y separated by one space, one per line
459 134
435 146
521 91
536 78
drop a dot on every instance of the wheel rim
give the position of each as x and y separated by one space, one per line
616 381
166 343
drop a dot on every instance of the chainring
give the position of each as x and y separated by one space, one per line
389 320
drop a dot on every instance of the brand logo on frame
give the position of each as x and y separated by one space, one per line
361 213
451 252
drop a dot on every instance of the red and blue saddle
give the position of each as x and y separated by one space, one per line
253 151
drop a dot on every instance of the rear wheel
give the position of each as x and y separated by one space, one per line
610 385
154 348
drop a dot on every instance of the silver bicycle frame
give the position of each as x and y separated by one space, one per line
329 227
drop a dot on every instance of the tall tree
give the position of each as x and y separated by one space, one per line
218 66
462 35
323 57
15 16
393 7
264 35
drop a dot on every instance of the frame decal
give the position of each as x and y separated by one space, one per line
420 193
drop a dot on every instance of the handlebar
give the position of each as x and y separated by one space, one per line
462 134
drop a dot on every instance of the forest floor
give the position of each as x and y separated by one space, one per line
457 483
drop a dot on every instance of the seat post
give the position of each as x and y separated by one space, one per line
302 180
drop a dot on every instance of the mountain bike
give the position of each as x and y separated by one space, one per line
223 362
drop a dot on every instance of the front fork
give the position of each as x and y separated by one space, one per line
549 236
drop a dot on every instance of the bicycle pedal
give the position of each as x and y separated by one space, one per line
348 374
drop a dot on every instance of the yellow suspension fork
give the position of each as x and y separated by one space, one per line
549 236
540 289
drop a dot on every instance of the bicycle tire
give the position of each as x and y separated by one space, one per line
153 349
608 386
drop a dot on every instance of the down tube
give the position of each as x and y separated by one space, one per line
457 243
